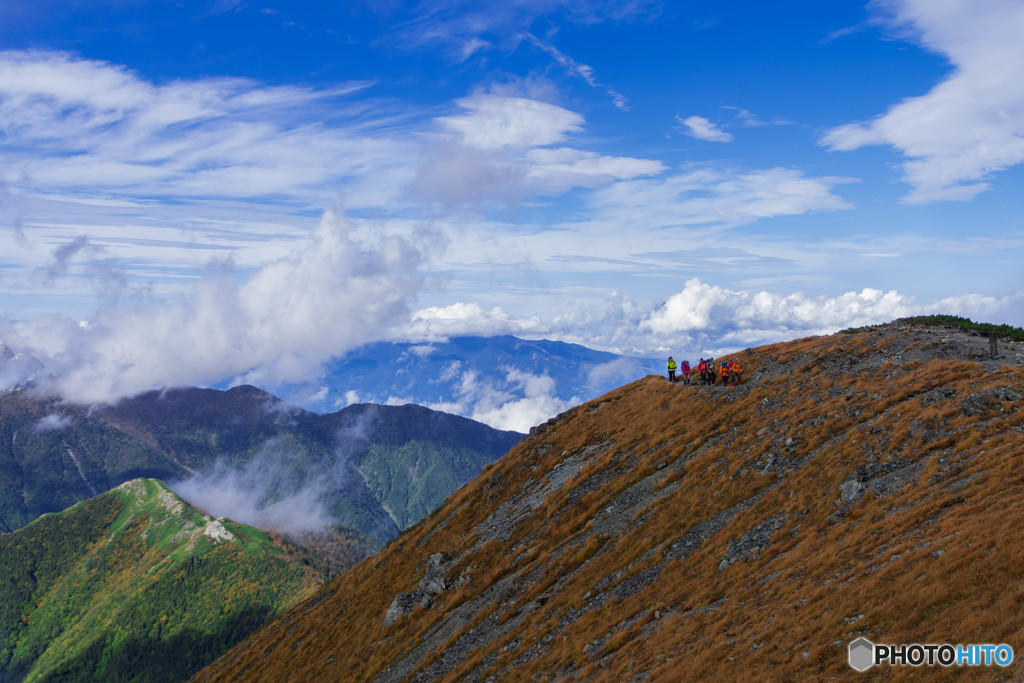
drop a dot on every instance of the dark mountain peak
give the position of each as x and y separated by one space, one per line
250 392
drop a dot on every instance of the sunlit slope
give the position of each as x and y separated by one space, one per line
859 484
136 585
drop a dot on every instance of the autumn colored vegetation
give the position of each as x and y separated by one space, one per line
856 484
135 585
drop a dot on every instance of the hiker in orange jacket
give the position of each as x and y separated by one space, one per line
735 371
723 370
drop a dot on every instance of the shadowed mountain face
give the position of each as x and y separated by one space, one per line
864 484
134 584
242 454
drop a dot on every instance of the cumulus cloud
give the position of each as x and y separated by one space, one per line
969 126
703 129
707 318
279 325
517 403
701 306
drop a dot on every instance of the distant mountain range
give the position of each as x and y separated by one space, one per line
135 584
504 381
242 454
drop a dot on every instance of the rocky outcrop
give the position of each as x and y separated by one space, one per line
433 583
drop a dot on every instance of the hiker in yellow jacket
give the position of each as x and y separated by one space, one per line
671 369
735 371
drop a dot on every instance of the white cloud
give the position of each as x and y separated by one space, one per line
287 318
242 493
706 318
493 122
715 197
703 307
53 422
554 171
702 129
518 403
618 371
983 308
969 126
91 127
499 148
538 403
462 319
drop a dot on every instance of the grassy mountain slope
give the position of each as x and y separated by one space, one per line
136 585
858 484
53 455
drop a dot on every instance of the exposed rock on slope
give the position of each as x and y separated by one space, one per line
864 484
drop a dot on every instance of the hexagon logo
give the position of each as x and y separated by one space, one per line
862 654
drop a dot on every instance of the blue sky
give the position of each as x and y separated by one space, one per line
198 190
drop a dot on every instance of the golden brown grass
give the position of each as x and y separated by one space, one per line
940 561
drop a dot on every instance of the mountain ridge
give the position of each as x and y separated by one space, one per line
685 532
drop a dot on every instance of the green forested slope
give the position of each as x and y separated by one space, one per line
376 469
136 585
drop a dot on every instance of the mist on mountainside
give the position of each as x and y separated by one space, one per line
255 495
281 487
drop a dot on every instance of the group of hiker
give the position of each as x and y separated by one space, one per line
730 373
